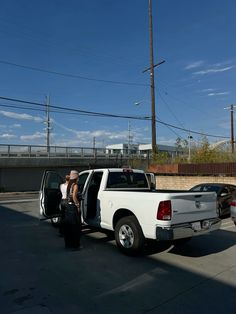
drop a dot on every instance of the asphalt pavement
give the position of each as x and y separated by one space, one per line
7 196
39 276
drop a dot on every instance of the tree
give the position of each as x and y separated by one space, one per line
181 144
203 153
161 158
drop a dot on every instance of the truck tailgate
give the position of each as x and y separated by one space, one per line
190 207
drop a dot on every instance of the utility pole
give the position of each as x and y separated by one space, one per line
189 147
94 143
231 108
232 127
129 137
152 82
48 123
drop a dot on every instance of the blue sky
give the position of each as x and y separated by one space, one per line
101 47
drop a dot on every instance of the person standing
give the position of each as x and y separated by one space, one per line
63 189
72 220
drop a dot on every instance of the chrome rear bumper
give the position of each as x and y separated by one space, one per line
186 230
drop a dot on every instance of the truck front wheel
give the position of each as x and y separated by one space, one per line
129 236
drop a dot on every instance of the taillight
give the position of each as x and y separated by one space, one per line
164 210
233 203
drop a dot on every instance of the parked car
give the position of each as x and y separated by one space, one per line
225 194
233 211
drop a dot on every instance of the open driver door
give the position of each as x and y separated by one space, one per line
50 195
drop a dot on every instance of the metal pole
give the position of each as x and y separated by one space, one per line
189 147
47 123
232 127
153 109
129 137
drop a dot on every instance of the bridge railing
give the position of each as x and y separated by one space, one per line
24 151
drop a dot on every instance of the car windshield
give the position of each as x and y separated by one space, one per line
206 188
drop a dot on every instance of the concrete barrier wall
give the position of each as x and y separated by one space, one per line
24 179
186 182
25 174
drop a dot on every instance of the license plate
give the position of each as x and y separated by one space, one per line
196 226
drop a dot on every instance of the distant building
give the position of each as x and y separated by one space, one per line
141 149
122 149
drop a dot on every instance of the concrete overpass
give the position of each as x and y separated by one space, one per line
22 167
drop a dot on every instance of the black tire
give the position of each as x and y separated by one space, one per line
129 236
56 221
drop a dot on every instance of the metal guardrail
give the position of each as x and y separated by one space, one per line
31 151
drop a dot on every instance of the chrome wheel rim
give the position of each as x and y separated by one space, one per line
126 236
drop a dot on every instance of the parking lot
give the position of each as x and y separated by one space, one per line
39 276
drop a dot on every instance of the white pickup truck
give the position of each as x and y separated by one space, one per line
123 201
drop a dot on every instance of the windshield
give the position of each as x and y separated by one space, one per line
206 188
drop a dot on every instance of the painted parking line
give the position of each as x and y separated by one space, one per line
19 201
227 225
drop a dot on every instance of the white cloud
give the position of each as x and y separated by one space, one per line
218 94
16 125
20 116
35 136
208 90
91 134
7 136
103 134
101 137
213 70
194 65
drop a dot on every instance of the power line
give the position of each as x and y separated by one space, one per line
79 110
171 111
99 114
190 131
43 110
71 75
170 129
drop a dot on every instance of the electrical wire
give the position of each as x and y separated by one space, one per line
170 110
71 75
99 114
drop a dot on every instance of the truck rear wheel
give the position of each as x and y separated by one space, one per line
129 236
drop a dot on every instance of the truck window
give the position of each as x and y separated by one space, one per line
82 179
127 180
92 195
